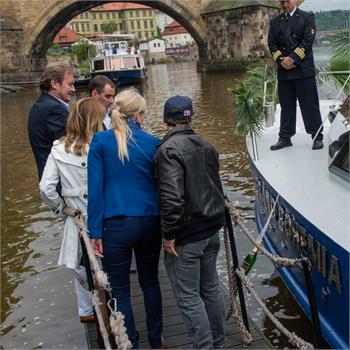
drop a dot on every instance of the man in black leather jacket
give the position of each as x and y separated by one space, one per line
192 212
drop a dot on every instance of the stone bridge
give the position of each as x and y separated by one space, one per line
229 33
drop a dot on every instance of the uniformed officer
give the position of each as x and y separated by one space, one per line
290 40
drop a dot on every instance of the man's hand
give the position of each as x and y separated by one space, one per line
97 247
287 63
169 247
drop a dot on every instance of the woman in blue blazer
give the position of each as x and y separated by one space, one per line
123 213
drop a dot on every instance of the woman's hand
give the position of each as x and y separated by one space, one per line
97 247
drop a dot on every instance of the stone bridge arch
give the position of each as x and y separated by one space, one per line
229 34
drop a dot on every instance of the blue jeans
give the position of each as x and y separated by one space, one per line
196 287
121 235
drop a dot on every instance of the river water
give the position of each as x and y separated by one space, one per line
37 298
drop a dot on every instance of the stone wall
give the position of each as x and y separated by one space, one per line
238 37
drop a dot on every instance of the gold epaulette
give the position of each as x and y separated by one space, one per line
300 52
276 54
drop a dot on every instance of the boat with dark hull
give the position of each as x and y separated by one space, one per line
312 215
123 65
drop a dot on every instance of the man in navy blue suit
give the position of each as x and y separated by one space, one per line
49 113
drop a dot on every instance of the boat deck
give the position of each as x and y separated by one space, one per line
174 328
302 178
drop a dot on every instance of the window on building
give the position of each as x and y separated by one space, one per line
100 15
151 23
94 16
63 38
87 26
114 15
158 44
154 45
138 25
86 15
150 13
131 13
144 13
120 26
81 16
145 24
146 34
95 28
137 13
132 25
108 15
83 27
77 27
119 15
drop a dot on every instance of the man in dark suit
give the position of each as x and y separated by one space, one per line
103 90
49 113
290 41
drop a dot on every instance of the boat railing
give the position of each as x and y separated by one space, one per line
237 278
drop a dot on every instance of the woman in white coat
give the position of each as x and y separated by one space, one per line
67 165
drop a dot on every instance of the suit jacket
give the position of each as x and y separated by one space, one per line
293 37
46 123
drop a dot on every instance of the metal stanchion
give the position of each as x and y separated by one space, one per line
236 265
318 340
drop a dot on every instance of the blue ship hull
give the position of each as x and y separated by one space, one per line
123 77
291 235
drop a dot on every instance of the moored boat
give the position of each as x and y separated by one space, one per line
122 64
311 218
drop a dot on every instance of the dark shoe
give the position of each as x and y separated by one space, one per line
90 318
281 144
318 144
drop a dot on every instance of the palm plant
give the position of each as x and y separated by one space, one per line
249 99
339 61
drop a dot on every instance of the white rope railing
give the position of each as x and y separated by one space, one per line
116 320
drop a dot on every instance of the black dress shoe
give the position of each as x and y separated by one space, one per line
281 143
318 144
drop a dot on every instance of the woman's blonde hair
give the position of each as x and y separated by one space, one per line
85 118
127 104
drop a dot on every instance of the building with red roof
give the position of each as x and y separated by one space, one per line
175 35
66 37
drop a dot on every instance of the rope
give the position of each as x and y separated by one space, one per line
233 312
116 319
278 260
292 337
104 333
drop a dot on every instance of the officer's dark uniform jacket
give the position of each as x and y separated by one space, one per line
189 187
293 37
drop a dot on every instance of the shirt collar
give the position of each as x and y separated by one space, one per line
292 12
59 100
133 123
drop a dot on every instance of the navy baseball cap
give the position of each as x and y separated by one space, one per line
178 107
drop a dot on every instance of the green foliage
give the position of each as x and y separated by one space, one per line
83 49
159 33
332 20
249 96
109 28
339 61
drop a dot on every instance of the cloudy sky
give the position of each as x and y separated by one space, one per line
317 5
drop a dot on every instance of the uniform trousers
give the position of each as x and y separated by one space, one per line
305 91
122 236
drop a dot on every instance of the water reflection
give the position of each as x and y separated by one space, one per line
38 302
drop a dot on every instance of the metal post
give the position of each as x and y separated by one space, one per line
318 340
236 265
254 146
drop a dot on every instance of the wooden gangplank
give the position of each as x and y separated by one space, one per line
174 330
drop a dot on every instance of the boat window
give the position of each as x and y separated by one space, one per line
99 65
129 62
138 62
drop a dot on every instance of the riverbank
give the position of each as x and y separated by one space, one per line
9 89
